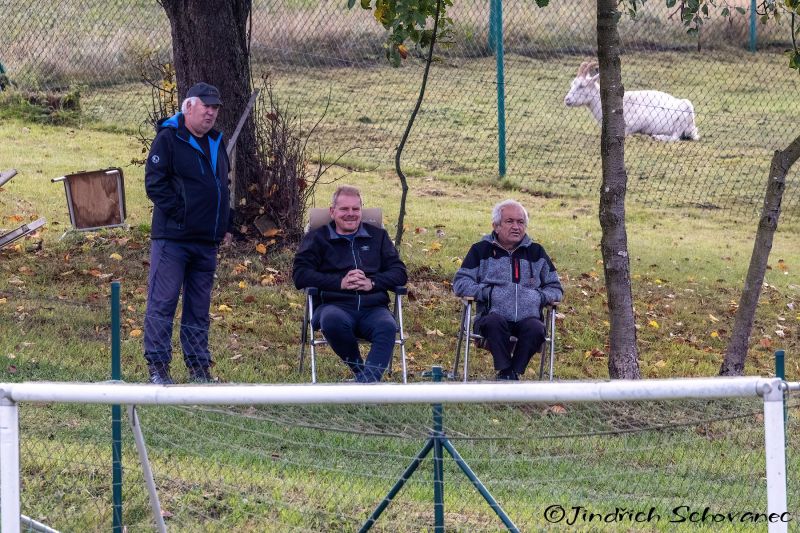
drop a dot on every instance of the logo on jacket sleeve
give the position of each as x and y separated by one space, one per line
364 248
155 159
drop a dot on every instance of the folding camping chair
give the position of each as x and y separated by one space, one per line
24 229
466 335
95 198
313 338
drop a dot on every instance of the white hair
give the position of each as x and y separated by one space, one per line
497 211
192 100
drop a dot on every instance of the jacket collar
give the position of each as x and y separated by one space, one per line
360 232
492 238
178 123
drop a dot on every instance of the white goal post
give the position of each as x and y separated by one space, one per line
770 390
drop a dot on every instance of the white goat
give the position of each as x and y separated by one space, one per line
654 113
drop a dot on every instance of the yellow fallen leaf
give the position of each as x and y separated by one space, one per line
271 232
4 300
660 363
115 256
135 332
653 324
224 308
242 284
713 318
714 334
434 332
436 246
260 248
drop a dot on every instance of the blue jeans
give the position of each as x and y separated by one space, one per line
343 326
176 266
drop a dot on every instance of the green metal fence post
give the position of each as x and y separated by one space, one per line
438 442
438 459
752 25
780 372
492 38
501 87
116 413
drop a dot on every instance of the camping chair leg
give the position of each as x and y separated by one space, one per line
398 311
552 319
549 345
467 328
310 332
458 343
303 338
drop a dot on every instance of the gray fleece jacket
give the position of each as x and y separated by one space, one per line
515 284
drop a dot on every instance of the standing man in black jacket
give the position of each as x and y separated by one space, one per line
186 177
352 264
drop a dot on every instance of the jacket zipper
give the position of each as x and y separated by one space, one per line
216 182
355 262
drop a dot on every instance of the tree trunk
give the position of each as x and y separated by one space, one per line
210 43
623 355
733 364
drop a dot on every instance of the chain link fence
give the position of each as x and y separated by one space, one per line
319 56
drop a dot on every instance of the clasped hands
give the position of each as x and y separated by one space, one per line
356 280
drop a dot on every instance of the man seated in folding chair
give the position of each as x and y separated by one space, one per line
511 279
352 265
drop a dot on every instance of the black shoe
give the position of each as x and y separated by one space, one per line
200 374
507 374
159 374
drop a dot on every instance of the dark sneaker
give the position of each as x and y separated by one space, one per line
200 374
159 374
507 374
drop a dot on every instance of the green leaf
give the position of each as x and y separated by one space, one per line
365 4
671 3
350 4
764 19
704 9
542 3
741 10
726 12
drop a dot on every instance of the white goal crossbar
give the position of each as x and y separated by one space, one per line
117 393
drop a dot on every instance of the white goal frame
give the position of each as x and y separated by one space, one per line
771 390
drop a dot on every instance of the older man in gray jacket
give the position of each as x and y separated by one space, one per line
512 279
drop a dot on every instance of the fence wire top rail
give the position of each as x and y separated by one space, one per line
390 393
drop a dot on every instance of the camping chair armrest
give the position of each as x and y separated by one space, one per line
314 291
467 299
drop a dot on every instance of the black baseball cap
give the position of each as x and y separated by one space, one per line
205 92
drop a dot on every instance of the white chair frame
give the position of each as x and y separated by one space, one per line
466 335
313 338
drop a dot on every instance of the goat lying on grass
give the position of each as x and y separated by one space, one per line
654 113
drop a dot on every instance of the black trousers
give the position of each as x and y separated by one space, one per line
496 330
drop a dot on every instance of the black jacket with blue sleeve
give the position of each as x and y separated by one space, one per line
189 189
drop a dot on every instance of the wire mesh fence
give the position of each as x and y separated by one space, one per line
321 54
672 465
